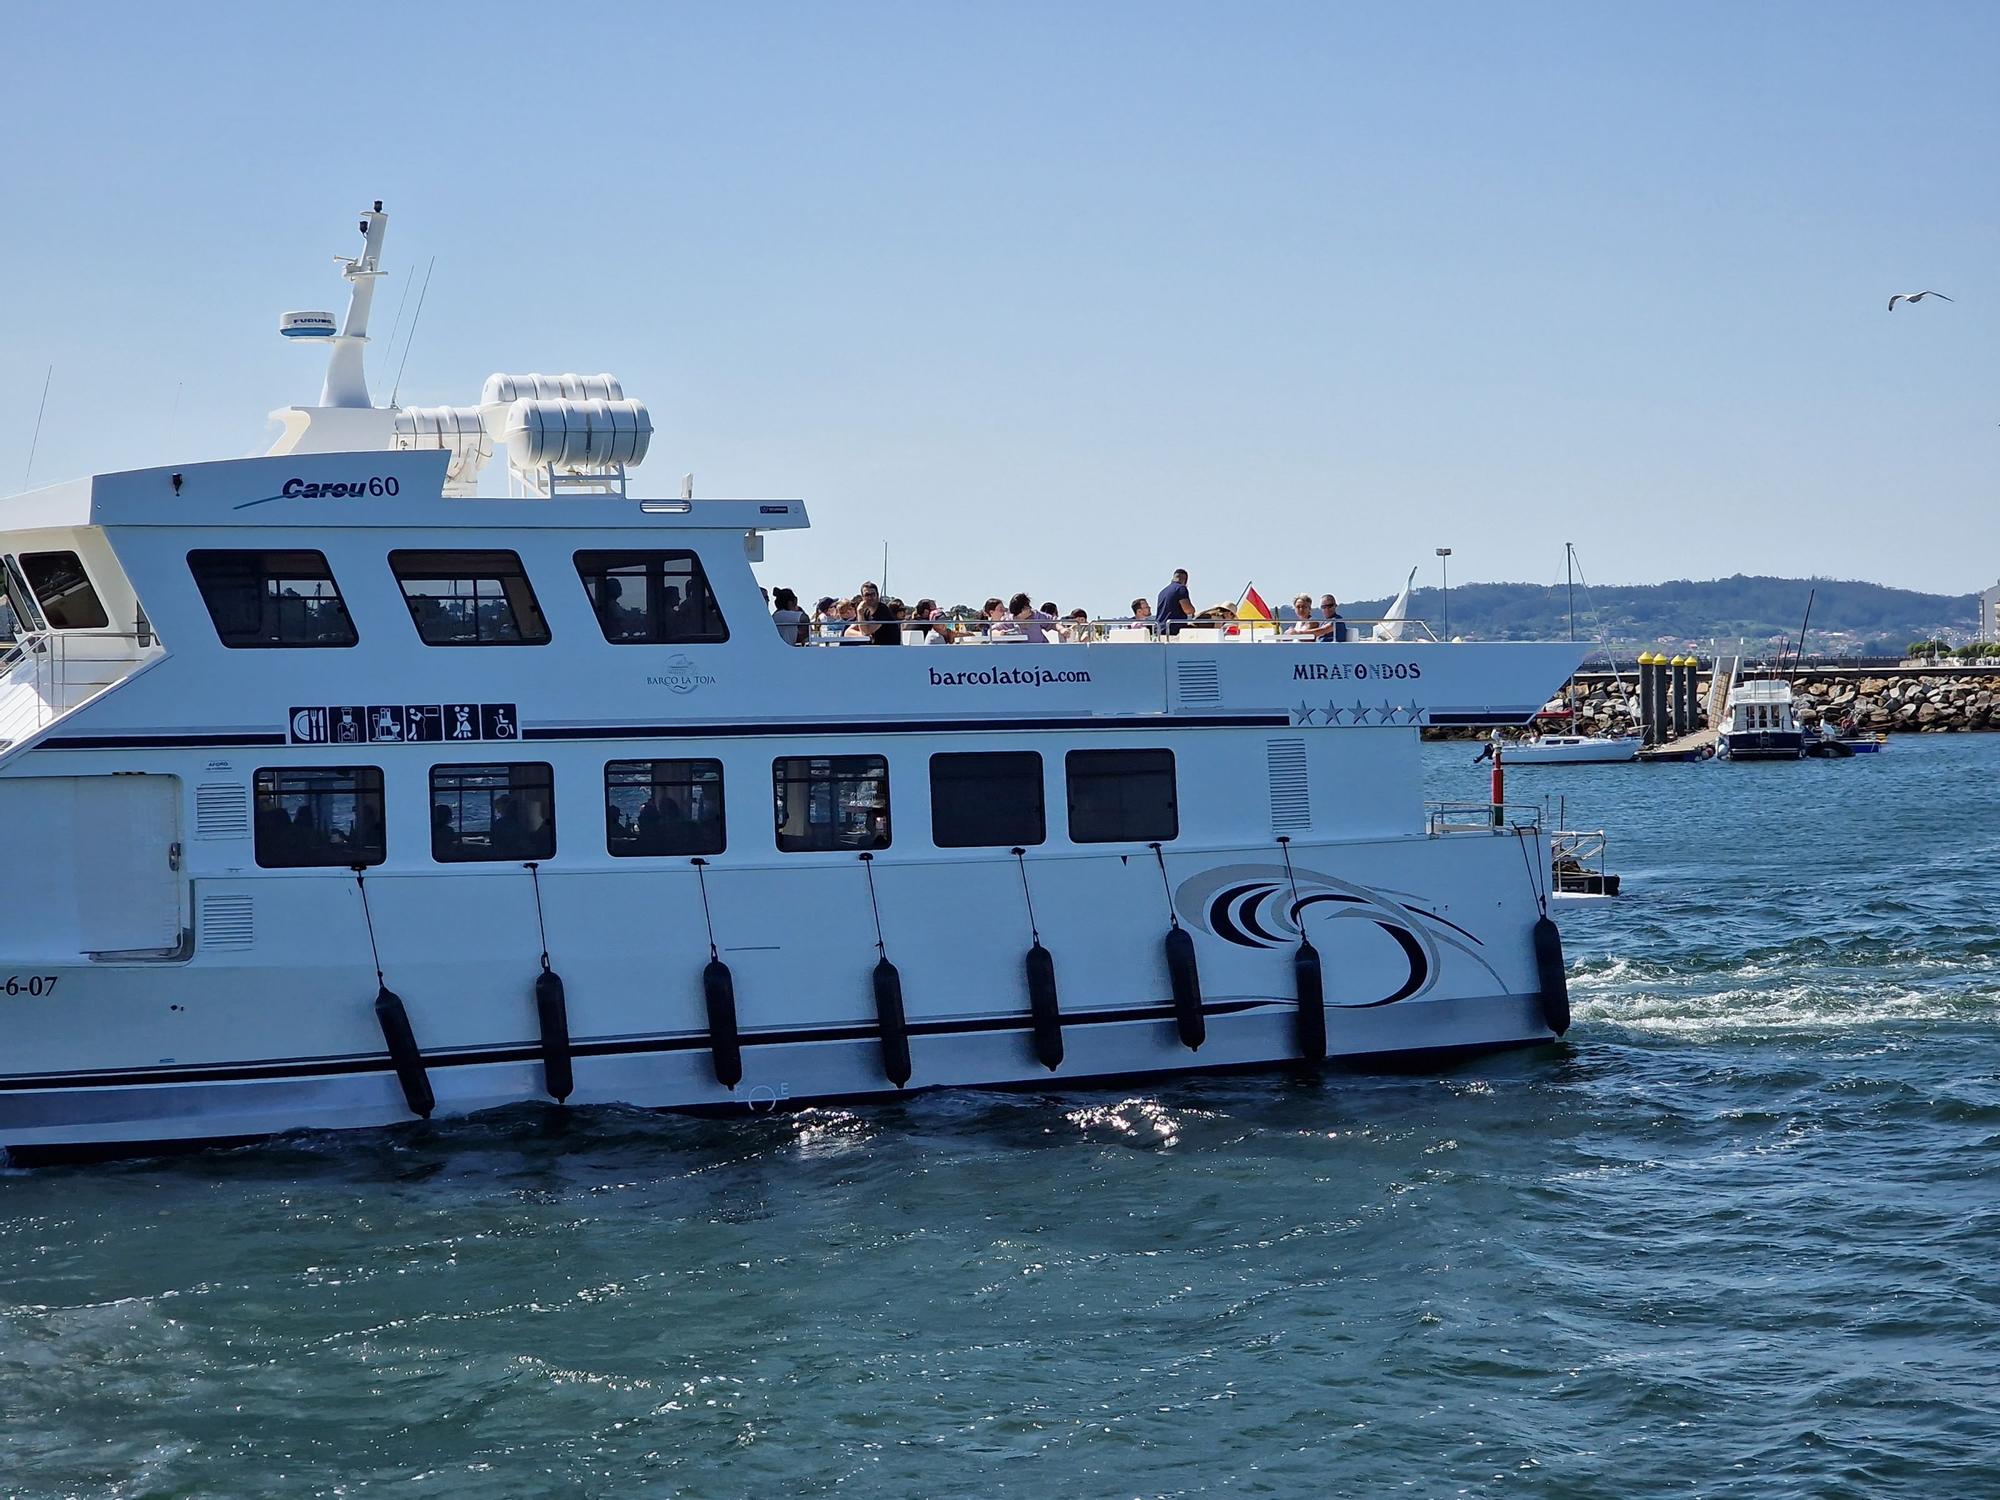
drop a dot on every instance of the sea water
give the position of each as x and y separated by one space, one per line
1739 1235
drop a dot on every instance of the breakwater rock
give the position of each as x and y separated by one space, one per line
1928 700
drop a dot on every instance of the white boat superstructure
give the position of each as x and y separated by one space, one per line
337 792
1760 722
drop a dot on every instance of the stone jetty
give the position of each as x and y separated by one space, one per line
1910 699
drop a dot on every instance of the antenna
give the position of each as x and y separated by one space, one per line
36 441
402 302
415 318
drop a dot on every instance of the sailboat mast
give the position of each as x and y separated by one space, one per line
1569 574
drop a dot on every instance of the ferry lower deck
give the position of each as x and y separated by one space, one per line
229 996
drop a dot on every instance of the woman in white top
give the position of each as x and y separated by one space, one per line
1303 628
793 627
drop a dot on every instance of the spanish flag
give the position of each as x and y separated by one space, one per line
1252 606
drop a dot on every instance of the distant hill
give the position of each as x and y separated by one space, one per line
1846 616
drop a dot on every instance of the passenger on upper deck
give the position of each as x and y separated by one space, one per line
928 626
1175 607
1000 625
1303 628
1033 623
891 613
1330 626
793 627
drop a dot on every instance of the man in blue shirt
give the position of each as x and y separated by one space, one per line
1175 608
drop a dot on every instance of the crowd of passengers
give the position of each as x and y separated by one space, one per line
868 619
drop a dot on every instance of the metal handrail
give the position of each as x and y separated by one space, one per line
1478 817
58 683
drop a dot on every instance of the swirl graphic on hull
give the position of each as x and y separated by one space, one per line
1252 906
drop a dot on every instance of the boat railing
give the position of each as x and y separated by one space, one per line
1585 847
1128 631
1480 817
46 673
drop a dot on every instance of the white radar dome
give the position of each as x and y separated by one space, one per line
307 325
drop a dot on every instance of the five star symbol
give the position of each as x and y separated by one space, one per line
1333 713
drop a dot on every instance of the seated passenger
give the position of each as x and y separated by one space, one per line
621 622
867 620
793 628
1302 629
1000 624
1033 622
506 834
1331 627
891 613
444 836
1077 629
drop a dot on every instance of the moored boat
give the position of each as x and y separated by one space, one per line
1761 724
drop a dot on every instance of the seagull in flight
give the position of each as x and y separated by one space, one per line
1915 297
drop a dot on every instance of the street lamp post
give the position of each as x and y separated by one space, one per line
1444 566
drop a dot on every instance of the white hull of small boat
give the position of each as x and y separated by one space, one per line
1570 750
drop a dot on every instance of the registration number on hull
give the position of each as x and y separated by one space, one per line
32 985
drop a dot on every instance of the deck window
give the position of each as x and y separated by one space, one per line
828 802
651 598
663 807
319 815
1122 796
64 591
272 598
987 800
493 812
470 598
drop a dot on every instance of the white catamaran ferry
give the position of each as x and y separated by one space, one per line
337 793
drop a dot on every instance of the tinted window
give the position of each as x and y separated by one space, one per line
663 807
832 802
272 598
987 800
1122 796
470 598
319 816
493 812
64 590
649 598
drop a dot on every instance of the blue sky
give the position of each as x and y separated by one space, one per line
1058 297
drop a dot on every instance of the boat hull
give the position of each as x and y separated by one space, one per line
1585 752
1426 944
1764 744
